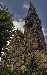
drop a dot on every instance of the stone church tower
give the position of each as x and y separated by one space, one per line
33 30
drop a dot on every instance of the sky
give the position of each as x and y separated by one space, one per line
20 8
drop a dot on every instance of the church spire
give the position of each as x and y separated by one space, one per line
31 5
33 28
31 8
30 14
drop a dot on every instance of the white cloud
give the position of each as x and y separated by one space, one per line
44 31
26 5
19 24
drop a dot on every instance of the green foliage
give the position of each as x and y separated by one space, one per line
6 26
4 71
31 70
15 72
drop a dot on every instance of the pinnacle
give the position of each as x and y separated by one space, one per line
31 10
31 6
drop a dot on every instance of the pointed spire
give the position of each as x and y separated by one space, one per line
31 6
30 2
31 9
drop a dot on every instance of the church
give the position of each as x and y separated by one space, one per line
32 42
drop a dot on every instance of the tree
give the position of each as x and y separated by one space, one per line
33 68
6 26
5 71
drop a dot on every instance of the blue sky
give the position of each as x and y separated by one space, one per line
20 7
